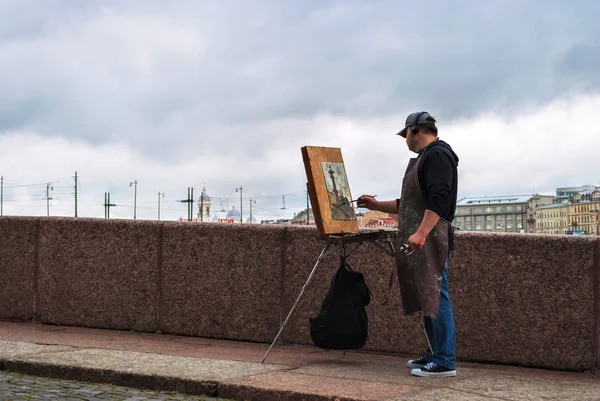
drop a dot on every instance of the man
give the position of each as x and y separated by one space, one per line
425 209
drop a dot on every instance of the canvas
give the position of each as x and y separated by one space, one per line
329 190
338 190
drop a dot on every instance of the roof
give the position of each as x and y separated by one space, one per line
492 200
553 206
204 197
589 191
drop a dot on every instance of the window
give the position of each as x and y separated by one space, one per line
479 210
488 210
509 217
519 217
469 226
478 227
509 226
509 209
468 219
478 218
488 226
488 218
498 217
519 208
499 209
519 226
467 210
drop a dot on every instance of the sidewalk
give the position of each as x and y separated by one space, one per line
232 370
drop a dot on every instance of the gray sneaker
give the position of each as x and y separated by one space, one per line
417 363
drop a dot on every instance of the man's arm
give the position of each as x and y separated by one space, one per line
369 202
430 219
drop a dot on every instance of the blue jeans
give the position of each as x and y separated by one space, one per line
440 330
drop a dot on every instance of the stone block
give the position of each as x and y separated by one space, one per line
17 267
99 273
524 299
221 280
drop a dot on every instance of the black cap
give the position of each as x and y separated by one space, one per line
411 120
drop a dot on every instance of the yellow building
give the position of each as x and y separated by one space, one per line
551 219
583 212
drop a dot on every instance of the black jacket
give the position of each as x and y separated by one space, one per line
438 179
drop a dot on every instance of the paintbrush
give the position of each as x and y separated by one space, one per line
355 200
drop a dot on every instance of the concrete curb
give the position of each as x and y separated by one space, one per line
127 379
141 381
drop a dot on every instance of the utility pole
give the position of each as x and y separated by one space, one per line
48 198
134 183
76 194
283 196
1 194
189 201
240 189
159 195
251 202
107 205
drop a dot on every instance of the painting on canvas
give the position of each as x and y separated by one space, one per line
338 190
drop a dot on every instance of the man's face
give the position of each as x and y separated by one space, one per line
410 140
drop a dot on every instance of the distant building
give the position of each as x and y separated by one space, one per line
583 212
204 204
300 218
500 213
551 219
563 195
376 219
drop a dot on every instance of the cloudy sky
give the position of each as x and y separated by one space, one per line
225 93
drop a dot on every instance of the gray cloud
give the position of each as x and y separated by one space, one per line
155 75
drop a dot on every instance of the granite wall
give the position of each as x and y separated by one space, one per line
523 299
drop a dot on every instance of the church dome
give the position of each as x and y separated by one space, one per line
233 214
204 197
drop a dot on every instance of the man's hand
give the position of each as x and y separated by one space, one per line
417 240
367 201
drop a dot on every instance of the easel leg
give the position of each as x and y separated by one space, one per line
422 320
298 299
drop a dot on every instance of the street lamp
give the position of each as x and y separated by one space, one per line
240 189
134 184
160 194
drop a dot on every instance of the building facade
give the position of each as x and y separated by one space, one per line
583 212
551 219
499 213
377 219
564 194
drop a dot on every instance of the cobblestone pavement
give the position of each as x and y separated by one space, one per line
17 387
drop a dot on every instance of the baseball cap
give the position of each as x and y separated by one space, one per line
411 120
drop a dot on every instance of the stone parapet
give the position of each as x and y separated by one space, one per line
521 299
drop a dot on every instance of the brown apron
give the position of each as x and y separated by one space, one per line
420 273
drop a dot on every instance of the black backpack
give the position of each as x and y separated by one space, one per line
342 322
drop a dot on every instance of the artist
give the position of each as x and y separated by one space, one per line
425 209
